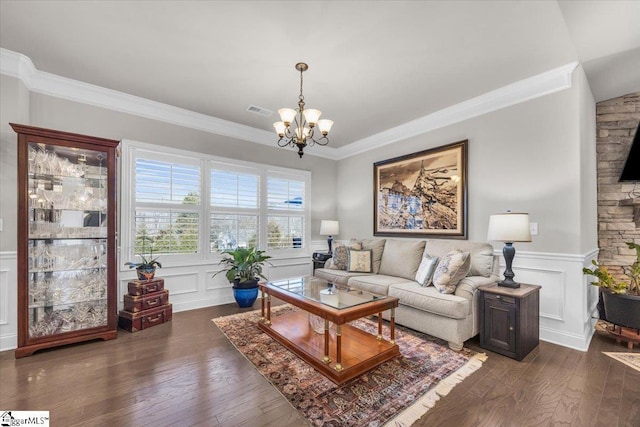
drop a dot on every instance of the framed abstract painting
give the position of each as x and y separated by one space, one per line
422 194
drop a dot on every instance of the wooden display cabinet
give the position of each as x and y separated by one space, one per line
66 239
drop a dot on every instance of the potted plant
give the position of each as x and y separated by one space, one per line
147 268
243 269
621 299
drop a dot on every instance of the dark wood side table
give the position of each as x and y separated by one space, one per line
318 264
320 259
509 319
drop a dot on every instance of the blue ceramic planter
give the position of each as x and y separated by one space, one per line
245 297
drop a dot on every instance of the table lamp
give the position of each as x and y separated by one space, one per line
329 228
508 228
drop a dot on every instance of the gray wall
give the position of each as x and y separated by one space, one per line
55 113
14 108
526 158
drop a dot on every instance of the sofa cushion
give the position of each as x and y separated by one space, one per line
359 261
427 267
482 259
401 258
377 283
431 300
452 268
377 247
341 254
338 277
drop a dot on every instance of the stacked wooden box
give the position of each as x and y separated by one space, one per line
146 305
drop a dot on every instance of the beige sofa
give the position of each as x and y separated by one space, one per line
451 317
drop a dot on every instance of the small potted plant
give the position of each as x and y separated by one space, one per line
147 268
621 299
243 269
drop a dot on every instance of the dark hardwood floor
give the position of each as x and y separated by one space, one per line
187 373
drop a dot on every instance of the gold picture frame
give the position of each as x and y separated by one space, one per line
422 194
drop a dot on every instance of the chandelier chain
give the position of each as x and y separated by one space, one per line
301 97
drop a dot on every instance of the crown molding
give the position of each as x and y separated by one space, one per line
17 65
533 87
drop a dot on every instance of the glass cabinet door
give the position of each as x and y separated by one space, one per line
66 238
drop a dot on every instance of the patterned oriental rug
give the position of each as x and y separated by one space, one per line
398 392
630 359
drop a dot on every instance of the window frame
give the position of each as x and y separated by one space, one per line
132 150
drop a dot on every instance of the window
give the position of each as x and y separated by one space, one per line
192 206
286 207
235 208
167 207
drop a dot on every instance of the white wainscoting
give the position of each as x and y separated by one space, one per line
567 301
190 287
8 301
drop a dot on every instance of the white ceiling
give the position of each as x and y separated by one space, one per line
372 65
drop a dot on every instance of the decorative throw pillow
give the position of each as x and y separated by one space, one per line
427 268
452 268
482 263
341 254
377 247
359 261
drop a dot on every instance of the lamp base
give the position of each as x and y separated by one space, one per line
508 283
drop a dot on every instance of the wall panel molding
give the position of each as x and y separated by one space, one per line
566 299
8 300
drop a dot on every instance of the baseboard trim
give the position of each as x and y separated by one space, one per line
566 339
8 342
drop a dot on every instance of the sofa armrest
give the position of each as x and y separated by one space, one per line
468 286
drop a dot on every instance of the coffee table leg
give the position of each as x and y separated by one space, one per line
268 322
262 306
338 366
326 358
379 327
393 326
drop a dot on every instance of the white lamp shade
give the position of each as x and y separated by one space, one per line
329 228
509 227
325 126
311 116
287 115
280 128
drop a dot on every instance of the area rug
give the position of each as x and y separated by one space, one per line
630 359
397 393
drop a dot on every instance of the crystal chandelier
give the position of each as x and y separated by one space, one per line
296 128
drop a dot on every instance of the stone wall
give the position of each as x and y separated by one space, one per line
616 123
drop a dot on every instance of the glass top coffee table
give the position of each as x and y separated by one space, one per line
340 356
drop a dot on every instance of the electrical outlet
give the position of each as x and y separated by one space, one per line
533 227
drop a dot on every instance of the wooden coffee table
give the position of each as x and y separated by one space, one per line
340 352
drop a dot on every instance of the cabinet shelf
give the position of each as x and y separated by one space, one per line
61 304
67 289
